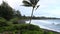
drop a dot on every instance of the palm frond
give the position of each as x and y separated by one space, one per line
34 2
26 3
37 7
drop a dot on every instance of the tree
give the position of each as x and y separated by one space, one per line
31 3
18 14
3 22
6 11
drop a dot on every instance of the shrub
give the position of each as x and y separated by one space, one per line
3 22
26 27
32 32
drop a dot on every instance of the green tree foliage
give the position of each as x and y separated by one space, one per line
3 22
18 13
7 12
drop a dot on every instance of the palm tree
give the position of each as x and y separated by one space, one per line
31 3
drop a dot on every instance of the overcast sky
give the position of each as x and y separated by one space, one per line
48 8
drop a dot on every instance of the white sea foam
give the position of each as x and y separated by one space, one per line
47 24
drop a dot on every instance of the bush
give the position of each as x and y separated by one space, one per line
14 20
26 27
3 22
32 32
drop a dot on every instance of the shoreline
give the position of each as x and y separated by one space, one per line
47 30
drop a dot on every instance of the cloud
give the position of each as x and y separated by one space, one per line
0 1
47 7
14 3
47 3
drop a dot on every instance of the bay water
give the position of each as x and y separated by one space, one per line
50 24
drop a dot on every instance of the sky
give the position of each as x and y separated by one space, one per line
48 8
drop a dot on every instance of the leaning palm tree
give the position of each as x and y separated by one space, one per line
31 3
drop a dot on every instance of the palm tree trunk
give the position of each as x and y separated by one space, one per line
31 15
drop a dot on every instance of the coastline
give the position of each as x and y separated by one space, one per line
46 30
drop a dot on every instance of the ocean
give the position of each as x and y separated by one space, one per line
50 24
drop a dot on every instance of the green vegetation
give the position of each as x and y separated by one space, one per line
9 23
7 12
